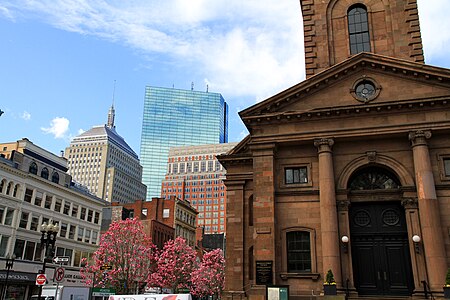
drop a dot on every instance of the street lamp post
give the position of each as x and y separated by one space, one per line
9 264
48 239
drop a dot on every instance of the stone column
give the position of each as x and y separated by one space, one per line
344 229
234 271
417 258
328 211
430 220
264 218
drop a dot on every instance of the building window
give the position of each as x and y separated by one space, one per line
58 204
358 29
55 177
66 208
34 223
166 213
83 213
33 168
38 199
3 245
373 178
296 175
44 173
28 195
48 201
298 246
24 220
447 166
9 216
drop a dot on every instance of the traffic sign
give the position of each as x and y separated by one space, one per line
59 274
41 279
61 259
106 267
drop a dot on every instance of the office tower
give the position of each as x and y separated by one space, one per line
35 189
174 117
194 174
101 160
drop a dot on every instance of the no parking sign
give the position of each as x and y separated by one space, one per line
59 274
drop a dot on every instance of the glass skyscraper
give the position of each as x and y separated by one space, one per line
174 117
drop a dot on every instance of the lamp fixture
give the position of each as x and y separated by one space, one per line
345 240
416 240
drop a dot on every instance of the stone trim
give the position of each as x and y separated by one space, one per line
419 137
415 39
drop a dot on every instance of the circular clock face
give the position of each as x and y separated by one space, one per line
365 90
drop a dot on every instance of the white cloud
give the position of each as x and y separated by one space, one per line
434 22
244 48
58 127
6 13
80 131
26 116
247 48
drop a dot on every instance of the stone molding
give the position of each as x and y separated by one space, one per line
419 137
410 203
323 144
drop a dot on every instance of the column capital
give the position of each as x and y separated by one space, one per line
343 205
419 137
410 203
324 144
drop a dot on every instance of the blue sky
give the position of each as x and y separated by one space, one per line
59 59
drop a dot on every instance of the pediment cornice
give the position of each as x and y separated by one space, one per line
362 61
347 111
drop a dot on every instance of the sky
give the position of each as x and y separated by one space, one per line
63 63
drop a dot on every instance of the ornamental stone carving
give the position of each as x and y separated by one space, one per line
419 137
323 144
410 203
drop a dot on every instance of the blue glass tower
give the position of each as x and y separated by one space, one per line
174 117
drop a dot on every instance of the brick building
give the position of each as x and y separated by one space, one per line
348 170
195 174
163 219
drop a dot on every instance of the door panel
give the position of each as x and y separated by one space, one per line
380 250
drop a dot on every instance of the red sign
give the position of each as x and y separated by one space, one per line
59 274
41 279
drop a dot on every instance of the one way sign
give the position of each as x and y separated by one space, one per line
61 259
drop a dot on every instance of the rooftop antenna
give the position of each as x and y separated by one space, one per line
192 86
111 112
207 88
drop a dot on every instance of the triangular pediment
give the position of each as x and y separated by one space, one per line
396 81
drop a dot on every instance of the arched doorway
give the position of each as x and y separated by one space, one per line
378 234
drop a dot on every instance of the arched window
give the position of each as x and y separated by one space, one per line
373 178
358 29
16 189
9 188
55 177
33 168
2 184
44 173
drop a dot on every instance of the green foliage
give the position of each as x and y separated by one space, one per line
329 279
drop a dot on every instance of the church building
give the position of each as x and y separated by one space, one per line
349 170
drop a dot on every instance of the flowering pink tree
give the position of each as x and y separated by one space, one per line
128 251
175 264
209 278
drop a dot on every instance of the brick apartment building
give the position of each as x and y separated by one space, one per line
163 219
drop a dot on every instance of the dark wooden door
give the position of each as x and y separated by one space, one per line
380 251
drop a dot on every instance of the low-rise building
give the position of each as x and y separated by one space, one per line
35 189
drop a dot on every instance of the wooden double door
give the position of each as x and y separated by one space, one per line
380 250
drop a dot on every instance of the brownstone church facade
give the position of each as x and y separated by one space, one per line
348 170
